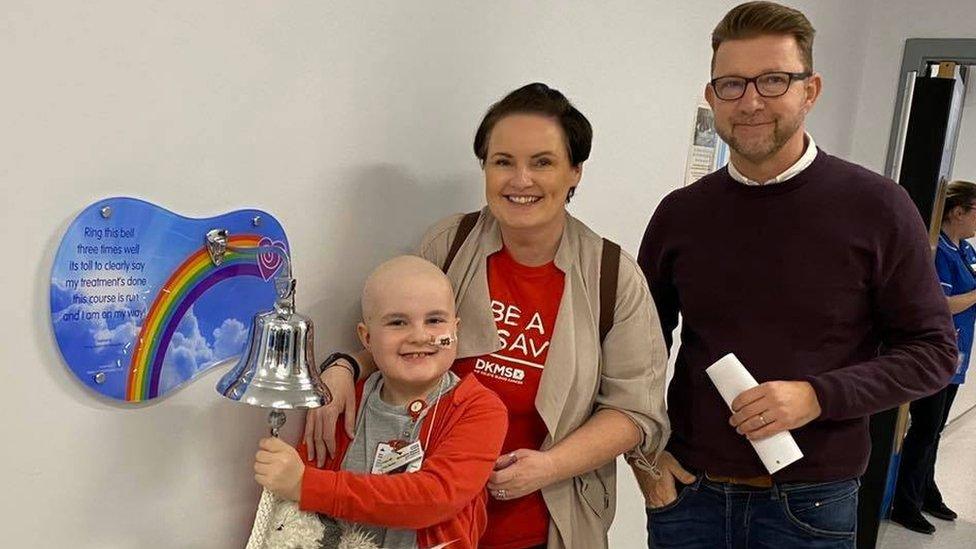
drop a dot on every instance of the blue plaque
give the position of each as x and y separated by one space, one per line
138 306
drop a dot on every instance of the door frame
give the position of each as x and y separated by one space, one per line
919 52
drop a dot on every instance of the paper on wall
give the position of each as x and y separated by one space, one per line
707 152
731 378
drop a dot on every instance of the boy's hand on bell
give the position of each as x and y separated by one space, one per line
278 467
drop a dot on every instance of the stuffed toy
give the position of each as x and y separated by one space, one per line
280 524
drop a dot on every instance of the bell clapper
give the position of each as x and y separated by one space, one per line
276 419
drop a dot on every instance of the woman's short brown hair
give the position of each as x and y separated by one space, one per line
538 98
959 194
754 19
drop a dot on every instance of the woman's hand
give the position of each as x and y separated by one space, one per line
279 468
521 472
662 490
320 423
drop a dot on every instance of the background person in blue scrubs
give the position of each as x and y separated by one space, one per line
955 263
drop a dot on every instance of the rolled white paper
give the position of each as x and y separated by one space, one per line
731 378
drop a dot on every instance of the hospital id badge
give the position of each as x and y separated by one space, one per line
389 459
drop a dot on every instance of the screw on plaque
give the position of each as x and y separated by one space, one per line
106 212
100 378
256 221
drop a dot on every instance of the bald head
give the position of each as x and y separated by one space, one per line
405 278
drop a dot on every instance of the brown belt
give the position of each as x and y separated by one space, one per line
764 481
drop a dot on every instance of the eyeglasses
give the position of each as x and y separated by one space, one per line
770 84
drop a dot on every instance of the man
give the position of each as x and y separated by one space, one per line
817 274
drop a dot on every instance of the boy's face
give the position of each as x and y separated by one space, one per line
398 328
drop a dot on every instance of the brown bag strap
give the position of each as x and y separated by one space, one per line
609 268
464 229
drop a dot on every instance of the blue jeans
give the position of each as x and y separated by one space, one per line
711 515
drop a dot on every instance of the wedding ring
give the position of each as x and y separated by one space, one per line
500 494
763 420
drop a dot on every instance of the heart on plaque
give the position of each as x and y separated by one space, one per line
270 262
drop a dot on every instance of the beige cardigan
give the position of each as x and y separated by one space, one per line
578 379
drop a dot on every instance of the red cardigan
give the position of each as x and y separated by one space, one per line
445 501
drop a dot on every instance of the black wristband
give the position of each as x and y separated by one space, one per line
356 370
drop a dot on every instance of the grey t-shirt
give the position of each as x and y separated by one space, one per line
380 422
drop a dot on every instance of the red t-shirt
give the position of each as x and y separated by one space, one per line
524 302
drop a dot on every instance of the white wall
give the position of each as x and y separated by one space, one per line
964 163
351 122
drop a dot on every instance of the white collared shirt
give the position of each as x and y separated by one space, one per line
803 163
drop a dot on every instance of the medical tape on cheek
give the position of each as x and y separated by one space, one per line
444 340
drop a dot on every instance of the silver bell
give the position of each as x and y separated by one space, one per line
277 369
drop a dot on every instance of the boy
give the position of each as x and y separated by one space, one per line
425 442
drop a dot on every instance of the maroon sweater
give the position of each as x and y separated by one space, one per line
826 277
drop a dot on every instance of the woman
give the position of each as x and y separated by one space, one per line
527 287
955 261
